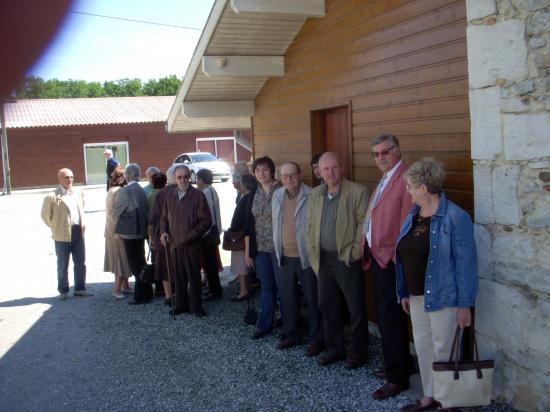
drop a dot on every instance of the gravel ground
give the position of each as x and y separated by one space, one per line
98 354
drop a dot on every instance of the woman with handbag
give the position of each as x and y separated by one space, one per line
234 236
115 260
436 271
259 247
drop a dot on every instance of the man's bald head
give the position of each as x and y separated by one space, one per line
331 172
65 177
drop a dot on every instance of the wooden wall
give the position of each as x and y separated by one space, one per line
402 67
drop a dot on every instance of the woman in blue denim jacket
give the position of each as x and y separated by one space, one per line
436 269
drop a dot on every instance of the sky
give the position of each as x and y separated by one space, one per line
99 49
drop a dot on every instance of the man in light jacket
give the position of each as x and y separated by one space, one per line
333 235
389 205
63 213
289 209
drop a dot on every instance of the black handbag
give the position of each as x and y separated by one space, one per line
250 316
147 272
233 240
212 238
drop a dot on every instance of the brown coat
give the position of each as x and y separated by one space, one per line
185 220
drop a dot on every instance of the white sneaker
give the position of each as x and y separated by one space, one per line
118 295
83 293
63 296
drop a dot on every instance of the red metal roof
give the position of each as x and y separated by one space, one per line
87 111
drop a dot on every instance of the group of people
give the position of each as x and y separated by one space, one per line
311 244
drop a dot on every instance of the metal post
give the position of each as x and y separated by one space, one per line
5 156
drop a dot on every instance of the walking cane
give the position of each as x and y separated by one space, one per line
169 281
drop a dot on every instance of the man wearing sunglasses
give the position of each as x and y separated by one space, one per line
388 206
63 213
185 219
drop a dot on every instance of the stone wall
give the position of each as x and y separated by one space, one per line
509 75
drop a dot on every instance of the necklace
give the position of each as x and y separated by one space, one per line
422 225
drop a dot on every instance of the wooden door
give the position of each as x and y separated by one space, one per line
331 132
337 136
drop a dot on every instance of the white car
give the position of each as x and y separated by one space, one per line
196 161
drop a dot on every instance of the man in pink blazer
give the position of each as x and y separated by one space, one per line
388 206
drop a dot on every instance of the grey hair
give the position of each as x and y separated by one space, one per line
383 137
132 172
179 166
171 175
428 172
296 165
151 170
239 170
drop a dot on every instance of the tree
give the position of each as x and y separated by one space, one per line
36 88
31 88
166 86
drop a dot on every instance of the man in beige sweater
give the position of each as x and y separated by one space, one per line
63 213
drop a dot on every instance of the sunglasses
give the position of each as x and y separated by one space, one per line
382 153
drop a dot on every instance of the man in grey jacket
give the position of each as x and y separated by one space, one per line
130 202
289 209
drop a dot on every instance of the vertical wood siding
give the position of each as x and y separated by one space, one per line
402 67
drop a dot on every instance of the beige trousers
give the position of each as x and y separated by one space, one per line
433 334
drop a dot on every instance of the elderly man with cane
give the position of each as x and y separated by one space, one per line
185 218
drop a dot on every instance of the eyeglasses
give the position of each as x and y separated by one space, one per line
289 175
382 153
182 177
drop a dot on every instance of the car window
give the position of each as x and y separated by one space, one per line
204 157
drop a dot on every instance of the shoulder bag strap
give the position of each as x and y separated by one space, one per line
214 206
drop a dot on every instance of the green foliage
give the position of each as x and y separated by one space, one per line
167 86
37 88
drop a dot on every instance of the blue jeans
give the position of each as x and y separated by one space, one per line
63 250
265 268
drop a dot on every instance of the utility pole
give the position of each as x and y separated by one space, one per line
5 156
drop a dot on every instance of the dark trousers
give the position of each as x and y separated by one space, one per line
210 258
136 259
337 281
288 275
392 324
63 251
188 288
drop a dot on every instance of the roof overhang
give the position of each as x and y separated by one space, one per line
243 44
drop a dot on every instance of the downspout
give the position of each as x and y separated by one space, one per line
5 156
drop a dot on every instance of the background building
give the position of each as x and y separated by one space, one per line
45 135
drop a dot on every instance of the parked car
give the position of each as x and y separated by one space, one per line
196 161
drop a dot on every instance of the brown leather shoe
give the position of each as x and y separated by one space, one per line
314 349
380 373
287 343
329 358
417 407
389 390
355 361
